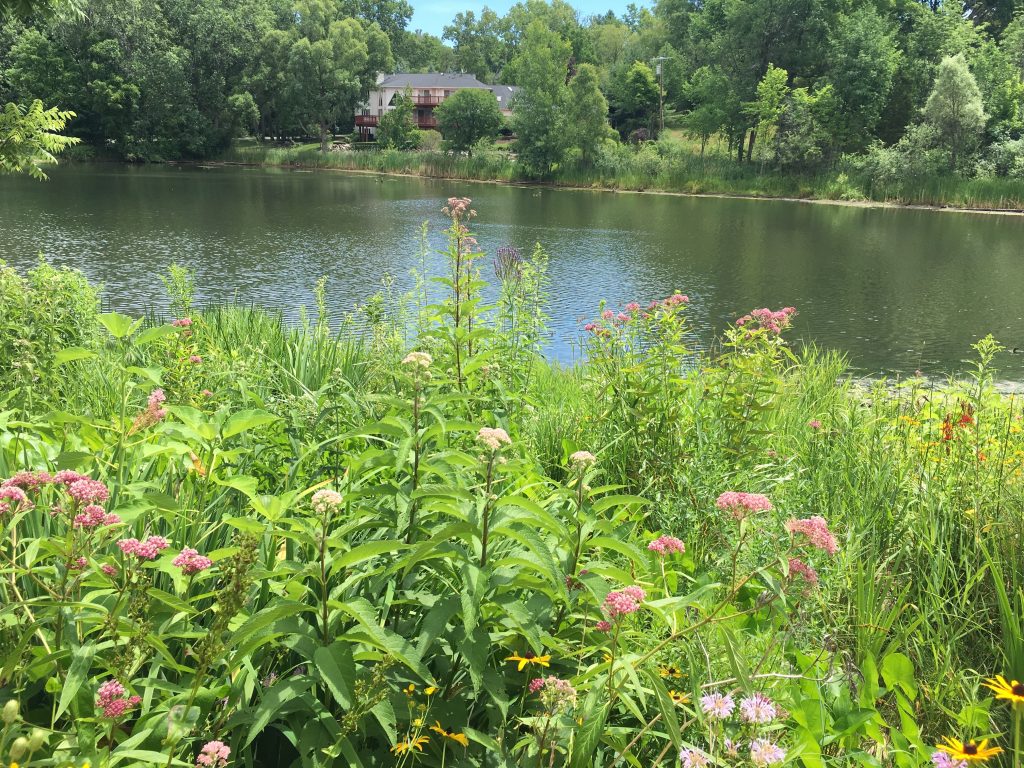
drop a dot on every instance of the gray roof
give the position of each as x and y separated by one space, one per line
504 94
429 80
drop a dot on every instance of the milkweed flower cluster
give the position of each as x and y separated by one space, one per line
582 459
94 516
623 602
13 498
154 411
774 322
555 694
603 626
214 754
28 480
458 208
691 758
632 311
325 500
195 359
666 545
798 567
493 438
86 491
717 706
112 698
758 709
144 550
817 532
764 752
418 359
814 424
740 505
191 562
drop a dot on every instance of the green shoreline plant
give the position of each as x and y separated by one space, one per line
230 542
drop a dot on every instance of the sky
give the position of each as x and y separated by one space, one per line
432 15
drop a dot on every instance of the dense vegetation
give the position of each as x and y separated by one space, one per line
414 540
890 93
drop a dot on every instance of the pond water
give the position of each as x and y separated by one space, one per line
897 290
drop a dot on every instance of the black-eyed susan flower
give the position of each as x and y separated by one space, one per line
408 746
458 738
969 751
1012 691
529 658
670 670
679 698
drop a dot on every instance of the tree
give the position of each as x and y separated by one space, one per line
540 119
478 44
954 109
768 104
396 129
635 99
30 138
708 115
588 112
467 116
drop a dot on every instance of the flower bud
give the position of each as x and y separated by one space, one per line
36 739
10 712
19 748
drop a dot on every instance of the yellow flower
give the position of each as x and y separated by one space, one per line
529 658
670 671
1012 691
679 697
410 689
459 738
969 751
408 746
430 690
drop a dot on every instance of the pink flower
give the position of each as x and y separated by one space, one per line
13 498
195 359
632 307
78 564
622 317
739 504
93 516
798 567
665 545
28 481
716 706
817 532
582 459
764 753
214 754
493 439
765 319
207 393
603 626
112 699
623 602
691 758
144 550
589 327
109 569
676 299
608 314
536 684
555 694
182 322
68 476
944 760
757 709
191 562
325 501
814 424
85 490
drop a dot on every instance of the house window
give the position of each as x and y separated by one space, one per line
448 93
380 100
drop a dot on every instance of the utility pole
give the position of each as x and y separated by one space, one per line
661 89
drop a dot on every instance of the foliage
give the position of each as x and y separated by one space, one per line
540 116
954 109
397 129
588 113
468 116
29 137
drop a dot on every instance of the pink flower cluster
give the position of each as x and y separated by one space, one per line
214 754
666 545
182 322
13 498
764 753
458 207
191 562
112 699
817 532
623 602
691 758
717 706
554 692
144 550
493 439
757 709
945 760
633 311
775 322
814 424
739 504
325 500
798 567
195 359
93 516
85 490
603 626
28 480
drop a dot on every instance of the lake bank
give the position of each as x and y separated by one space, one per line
713 179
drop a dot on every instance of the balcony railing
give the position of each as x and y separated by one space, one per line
426 101
371 121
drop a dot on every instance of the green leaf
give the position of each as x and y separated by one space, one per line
150 335
898 671
81 662
337 670
366 551
384 639
243 421
273 700
68 354
118 325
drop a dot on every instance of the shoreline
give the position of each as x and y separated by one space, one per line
554 185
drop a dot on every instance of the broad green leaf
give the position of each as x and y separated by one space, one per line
78 672
119 326
337 670
69 354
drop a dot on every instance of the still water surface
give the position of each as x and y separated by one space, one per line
897 290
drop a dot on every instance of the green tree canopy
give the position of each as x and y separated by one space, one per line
955 110
396 129
540 118
588 112
468 116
